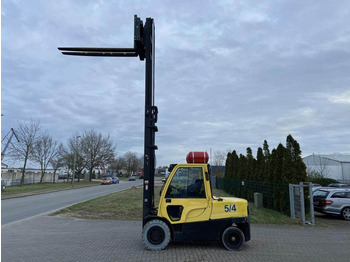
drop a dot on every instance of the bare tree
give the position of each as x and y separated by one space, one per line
45 149
219 158
132 162
57 161
28 134
140 163
319 166
73 150
96 150
118 163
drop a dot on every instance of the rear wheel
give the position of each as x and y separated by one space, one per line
156 235
232 238
345 213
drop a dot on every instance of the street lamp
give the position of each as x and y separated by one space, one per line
75 157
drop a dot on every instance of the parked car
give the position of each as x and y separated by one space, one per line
315 187
132 178
333 201
167 173
338 185
115 180
106 181
62 176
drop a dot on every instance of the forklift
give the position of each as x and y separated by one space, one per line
187 209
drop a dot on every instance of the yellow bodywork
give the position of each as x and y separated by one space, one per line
200 209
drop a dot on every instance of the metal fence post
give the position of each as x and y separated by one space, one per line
291 198
301 187
311 205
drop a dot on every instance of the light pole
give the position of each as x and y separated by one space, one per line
75 157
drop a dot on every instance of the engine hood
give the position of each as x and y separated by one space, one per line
224 207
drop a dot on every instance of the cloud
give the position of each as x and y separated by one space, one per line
343 98
229 74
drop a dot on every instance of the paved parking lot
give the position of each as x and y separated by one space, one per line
47 238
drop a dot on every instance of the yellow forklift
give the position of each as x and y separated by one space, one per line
187 209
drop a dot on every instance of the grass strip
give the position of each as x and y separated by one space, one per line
15 191
127 205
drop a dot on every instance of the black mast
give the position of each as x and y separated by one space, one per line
144 47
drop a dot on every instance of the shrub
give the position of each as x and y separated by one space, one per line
322 181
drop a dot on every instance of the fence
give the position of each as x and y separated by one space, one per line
275 195
14 178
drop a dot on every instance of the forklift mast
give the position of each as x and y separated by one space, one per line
144 47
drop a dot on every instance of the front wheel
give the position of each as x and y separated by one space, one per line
345 213
156 235
232 238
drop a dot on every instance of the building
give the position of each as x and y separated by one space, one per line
330 166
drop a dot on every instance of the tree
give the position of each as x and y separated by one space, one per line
118 163
267 158
278 156
242 167
57 161
266 149
219 158
228 166
250 168
235 163
44 151
260 165
320 166
96 150
299 168
132 162
73 151
28 134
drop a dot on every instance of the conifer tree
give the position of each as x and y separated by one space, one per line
242 170
260 165
228 165
266 149
299 168
278 168
235 163
250 164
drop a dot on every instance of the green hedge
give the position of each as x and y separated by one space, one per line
275 195
322 181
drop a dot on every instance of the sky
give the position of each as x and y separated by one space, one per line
229 74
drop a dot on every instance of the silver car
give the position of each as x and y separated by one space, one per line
333 201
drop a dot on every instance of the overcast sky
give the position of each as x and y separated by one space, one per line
229 74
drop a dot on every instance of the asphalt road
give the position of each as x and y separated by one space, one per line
17 209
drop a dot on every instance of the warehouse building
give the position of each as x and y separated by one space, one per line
330 166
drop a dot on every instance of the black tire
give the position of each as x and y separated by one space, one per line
232 238
345 213
156 235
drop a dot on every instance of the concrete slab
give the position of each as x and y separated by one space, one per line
46 238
